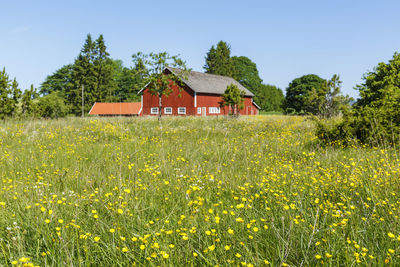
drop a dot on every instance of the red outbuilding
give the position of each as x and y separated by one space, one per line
199 95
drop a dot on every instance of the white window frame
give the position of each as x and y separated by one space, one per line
198 110
167 112
153 110
214 110
180 111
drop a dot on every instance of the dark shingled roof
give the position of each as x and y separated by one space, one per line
209 83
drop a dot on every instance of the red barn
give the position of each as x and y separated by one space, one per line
200 96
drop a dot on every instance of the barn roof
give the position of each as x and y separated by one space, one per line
116 108
206 83
209 83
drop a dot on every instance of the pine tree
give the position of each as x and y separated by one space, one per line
9 95
84 75
27 104
103 67
93 69
15 97
218 60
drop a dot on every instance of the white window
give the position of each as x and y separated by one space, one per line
214 110
168 110
181 110
154 111
198 110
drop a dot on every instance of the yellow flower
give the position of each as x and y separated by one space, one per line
125 249
237 255
328 255
211 248
47 221
318 257
255 229
142 247
165 254
171 245
391 235
96 239
239 220
120 211
227 247
195 254
60 220
230 231
112 230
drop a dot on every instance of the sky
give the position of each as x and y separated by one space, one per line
286 39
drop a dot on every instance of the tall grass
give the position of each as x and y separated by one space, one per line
193 191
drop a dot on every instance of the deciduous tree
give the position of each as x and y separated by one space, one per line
234 98
160 83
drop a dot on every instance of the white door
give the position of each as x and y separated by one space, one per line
204 109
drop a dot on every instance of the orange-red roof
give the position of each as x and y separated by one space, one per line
116 108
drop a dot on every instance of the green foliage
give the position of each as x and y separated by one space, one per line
375 118
28 106
298 94
9 95
93 69
269 97
234 98
218 60
52 106
59 81
245 72
327 101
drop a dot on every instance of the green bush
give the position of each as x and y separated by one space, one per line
375 117
52 106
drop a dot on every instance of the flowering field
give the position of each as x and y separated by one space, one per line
193 191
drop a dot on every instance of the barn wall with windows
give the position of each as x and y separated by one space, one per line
180 97
207 101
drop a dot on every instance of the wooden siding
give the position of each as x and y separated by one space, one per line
183 97
211 100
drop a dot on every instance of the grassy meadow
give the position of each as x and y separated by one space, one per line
252 191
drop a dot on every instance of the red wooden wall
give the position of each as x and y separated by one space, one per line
183 97
186 98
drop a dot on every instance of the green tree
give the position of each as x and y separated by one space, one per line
246 73
269 97
59 81
301 92
234 98
52 106
160 82
103 68
9 95
28 107
375 117
15 97
93 69
218 60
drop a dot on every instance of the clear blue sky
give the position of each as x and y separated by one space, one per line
286 39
